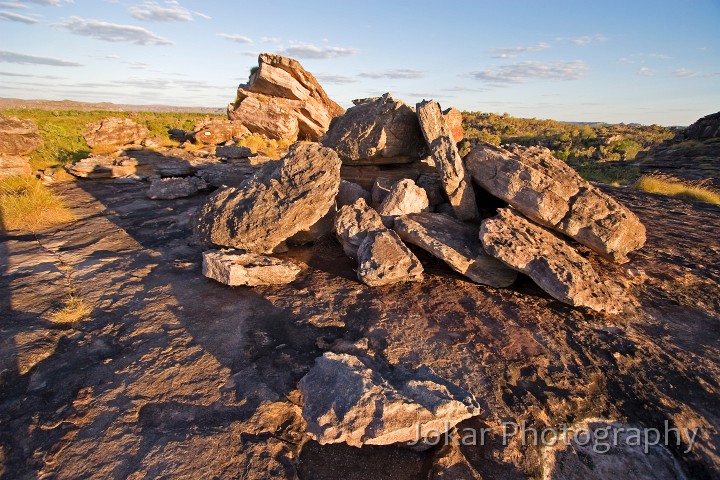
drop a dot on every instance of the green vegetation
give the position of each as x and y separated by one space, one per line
677 188
27 204
62 131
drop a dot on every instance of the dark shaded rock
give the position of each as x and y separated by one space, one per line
383 259
172 188
349 193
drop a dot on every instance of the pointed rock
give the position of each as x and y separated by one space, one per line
443 148
383 259
404 197
549 260
457 244
353 223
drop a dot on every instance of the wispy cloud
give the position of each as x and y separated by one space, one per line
13 5
12 57
588 39
27 75
514 52
643 57
685 73
646 72
54 3
201 15
335 79
269 39
399 73
16 17
235 37
308 50
171 11
523 71
112 32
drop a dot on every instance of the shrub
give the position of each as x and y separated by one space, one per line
27 204
677 188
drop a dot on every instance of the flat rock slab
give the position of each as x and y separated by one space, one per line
281 199
378 131
172 188
549 260
346 399
237 268
457 244
383 259
455 180
551 193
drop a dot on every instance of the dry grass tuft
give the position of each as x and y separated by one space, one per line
676 188
105 149
27 204
260 145
74 310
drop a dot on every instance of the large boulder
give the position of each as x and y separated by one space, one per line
14 165
404 197
378 130
279 89
114 131
18 136
281 199
175 187
551 193
352 399
353 223
548 259
443 148
383 259
238 268
457 244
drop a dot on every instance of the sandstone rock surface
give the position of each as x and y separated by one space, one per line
383 259
174 187
237 268
346 399
14 165
443 148
141 163
114 131
215 132
549 260
457 244
376 131
350 192
453 118
404 197
551 193
281 199
283 100
18 136
353 223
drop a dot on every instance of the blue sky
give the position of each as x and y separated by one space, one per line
630 61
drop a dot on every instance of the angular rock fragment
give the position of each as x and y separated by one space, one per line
215 132
443 148
404 197
453 118
549 260
354 400
551 193
353 223
317 231
172 188
433 187
18 136
281 199
457 244
380 189
114 131
238 268
376 131
383 259
349 193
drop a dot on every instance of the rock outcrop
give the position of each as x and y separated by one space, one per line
353 223
216 131
283 100
703 129
349 399
549 260
457 244
404 197
18 137
114 131
383 259
551 193
376 131
174 187
281 199
455 180
238 268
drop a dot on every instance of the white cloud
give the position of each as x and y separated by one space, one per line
54 3
587 39
308 50
513 52
26 75
269 39
646 72
399 73
16 17
235 37
201 15
13 5
685 73
335 79
12 57
523 71
154 12
112 32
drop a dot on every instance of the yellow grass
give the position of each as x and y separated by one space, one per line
27 204
105 149
652 184
269 148
74 310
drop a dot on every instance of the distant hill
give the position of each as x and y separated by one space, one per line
17 103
